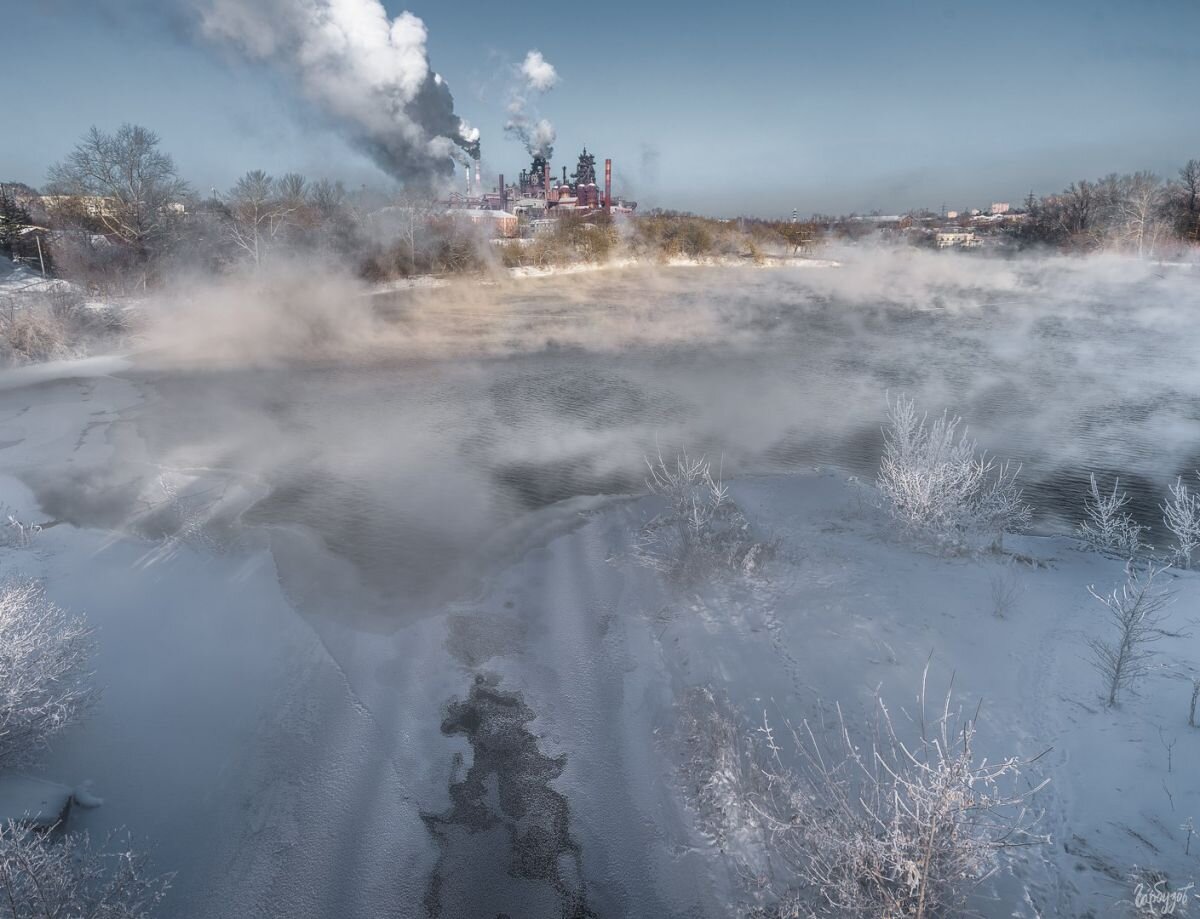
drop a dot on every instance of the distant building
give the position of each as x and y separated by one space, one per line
951 215
957 239
502 223
999 207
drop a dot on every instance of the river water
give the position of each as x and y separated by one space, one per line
488 402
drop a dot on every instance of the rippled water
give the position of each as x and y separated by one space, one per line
498 400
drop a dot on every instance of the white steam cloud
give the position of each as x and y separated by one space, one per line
539 72
538 76
369 74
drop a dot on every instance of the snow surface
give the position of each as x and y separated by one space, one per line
286 763
16 278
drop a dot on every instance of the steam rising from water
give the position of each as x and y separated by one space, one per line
368 418
369 74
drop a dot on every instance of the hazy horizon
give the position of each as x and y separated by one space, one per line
771 109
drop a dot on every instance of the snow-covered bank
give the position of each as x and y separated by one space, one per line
227 740
522 749
607 655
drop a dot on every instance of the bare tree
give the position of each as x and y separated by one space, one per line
1140 210
257 213
335 222
1185 195
934 478
412 221
1194 700
1137 610
43 670
1109 527
63 876
137 190
1182 517
899 826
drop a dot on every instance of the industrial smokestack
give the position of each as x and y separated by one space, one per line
503 194
478 180
608 186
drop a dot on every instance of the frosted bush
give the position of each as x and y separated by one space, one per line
43 671
1109 527
63 876
14 531
935 479
1181 515
701 529
1136 610
894 826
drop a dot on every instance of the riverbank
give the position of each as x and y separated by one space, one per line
283 755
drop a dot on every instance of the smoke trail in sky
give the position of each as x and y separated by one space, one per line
369 74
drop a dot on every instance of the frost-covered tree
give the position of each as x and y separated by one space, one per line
43 670
135 186
701 529
934 477
1109 527
1182 517
260 208
899 826
63 876
1136 610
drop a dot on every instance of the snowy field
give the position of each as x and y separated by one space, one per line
375 638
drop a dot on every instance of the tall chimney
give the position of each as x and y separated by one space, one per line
503 194
547 175
478 181
608 186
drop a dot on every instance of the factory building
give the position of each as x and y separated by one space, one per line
539 194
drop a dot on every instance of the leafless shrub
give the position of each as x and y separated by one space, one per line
63 876
43 678
1182 517
1006 589
701 529
1195 699
890 827
935 480
15 532
719 772
33 333
1137 610
1108 527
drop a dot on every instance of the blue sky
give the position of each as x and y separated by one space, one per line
753 107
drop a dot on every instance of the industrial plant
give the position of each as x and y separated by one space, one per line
538 196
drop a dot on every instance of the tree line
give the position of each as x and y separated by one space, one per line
116 214
1139 213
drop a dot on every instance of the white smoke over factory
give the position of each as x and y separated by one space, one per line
368 74
539 72
536 77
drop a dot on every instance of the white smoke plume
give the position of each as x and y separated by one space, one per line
367 73
539 72
537 76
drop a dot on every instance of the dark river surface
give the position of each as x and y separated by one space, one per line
485 402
